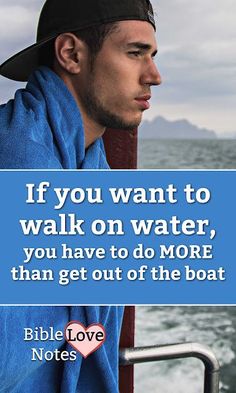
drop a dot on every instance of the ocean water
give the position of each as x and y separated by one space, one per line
210 325
187 154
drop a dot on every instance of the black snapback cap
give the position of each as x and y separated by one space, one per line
60 16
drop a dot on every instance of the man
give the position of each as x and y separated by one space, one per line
91 68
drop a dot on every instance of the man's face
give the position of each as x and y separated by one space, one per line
117 90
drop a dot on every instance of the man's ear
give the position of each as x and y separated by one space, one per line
69 52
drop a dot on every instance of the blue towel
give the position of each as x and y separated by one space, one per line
42 129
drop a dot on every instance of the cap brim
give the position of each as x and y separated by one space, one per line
21 65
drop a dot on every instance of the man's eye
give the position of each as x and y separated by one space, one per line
135 53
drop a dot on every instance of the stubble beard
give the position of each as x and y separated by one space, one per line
102 115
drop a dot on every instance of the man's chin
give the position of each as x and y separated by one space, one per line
121 124
127 127
112 120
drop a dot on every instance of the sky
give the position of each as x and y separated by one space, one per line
196 58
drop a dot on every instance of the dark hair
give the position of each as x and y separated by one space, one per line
93 36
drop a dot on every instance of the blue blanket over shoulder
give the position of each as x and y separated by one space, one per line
42 129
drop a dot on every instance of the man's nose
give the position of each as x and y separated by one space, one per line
151 75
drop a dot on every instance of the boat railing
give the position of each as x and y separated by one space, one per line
130 356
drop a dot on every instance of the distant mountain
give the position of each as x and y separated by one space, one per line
160 128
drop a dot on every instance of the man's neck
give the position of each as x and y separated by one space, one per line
92 130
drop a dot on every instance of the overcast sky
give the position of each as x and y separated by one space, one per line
197 57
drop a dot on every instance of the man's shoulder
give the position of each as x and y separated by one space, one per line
24 153
24 143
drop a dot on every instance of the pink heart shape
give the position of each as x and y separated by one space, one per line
85 340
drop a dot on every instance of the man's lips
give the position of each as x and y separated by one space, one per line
143 101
